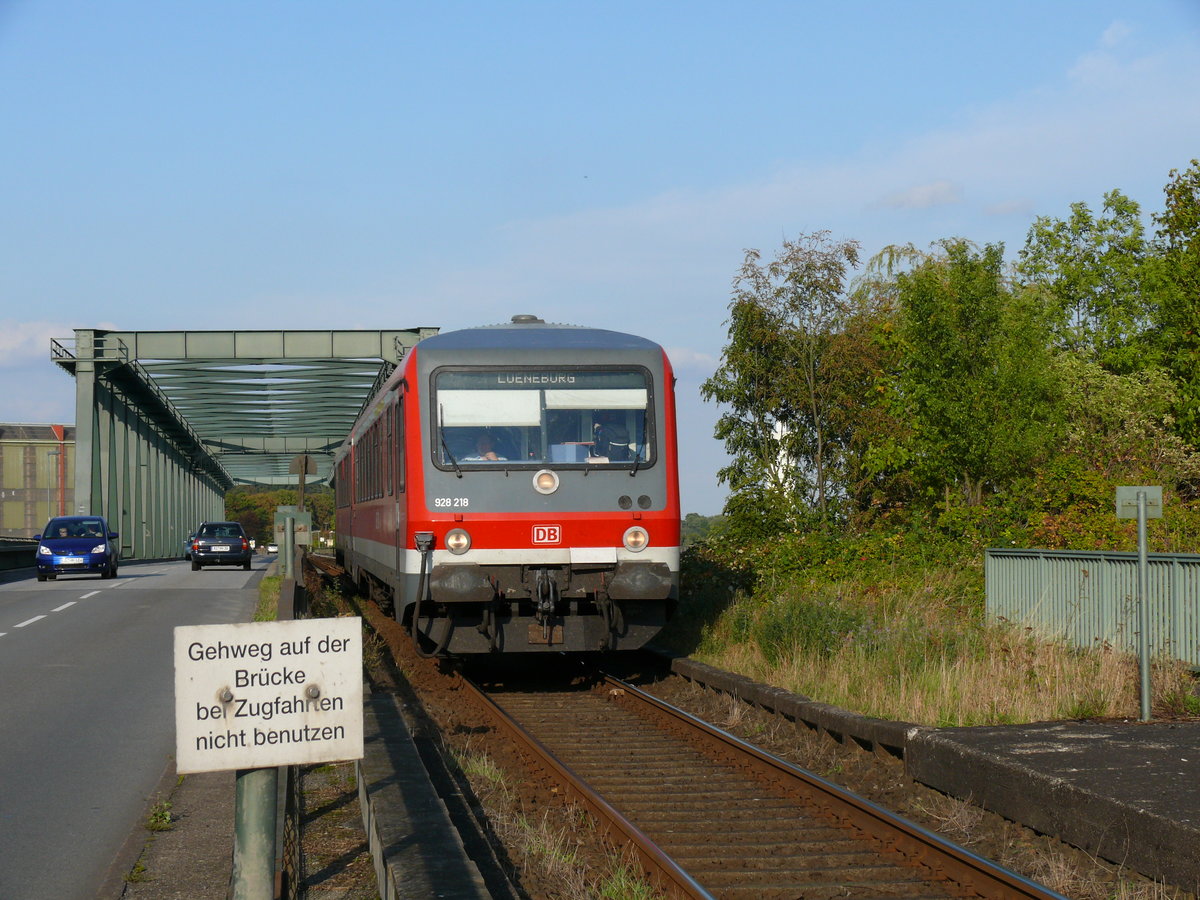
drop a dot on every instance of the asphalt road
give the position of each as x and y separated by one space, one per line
87 725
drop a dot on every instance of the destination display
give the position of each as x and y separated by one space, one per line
259 694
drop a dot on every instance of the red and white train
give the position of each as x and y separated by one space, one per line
514 488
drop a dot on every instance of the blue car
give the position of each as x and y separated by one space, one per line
77 544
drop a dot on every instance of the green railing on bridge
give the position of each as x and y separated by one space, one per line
1089 599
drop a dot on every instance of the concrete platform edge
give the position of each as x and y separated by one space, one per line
1150 844
416 850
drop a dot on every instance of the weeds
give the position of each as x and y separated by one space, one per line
160 818
916 648
549 846
268 599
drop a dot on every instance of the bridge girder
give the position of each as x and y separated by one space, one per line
168 421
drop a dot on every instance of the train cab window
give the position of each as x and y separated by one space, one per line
585 417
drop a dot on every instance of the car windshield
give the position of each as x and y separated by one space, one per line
74 527
539 416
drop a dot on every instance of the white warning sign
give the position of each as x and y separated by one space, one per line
258 694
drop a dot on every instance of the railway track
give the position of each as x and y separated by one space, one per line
712 816
709 815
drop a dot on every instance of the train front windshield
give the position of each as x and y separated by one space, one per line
545 416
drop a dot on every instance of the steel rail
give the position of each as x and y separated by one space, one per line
942 858
663 871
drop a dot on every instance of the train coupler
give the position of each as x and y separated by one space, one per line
546 597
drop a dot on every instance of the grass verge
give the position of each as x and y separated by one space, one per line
913 648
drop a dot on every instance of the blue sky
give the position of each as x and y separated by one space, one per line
308 164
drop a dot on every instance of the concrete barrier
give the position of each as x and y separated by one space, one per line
19 553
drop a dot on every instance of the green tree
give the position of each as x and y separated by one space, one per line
777 426
1122 424
1179 241
1091 272
869 424
975 375
255 507
695 528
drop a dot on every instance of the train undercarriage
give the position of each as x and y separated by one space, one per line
471 609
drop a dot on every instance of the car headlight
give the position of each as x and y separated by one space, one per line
636 538
458 541
100 548
44 550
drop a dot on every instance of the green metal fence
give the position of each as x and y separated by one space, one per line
1090 598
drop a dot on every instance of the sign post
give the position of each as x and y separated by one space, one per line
1141 503
302 465
253 696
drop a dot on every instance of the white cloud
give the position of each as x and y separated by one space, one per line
690 363
925 196
1115 34
23 343
1023 208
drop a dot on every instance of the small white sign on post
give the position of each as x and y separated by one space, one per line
258 694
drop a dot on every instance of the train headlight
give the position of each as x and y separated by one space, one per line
545 481
458 541
636 538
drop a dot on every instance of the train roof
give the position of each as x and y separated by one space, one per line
530 332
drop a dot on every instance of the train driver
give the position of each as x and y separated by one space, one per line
483 449
611 437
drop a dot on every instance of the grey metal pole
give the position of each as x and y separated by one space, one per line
254 834
289 546
1143 609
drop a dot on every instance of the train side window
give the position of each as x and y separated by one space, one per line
388 437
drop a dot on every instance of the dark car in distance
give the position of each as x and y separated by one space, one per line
220 544
77 545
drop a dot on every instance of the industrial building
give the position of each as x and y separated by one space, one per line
37 476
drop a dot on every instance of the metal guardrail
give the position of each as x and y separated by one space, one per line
1090 598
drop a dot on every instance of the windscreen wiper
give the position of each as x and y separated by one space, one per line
637 454
442 438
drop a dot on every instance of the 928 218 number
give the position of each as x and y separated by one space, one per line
450 502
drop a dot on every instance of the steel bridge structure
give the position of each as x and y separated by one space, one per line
168 421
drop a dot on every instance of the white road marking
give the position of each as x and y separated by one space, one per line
64 606
92 594
29 621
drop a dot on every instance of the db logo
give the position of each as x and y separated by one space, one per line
547 534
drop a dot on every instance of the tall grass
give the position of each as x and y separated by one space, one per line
267 609
911 647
